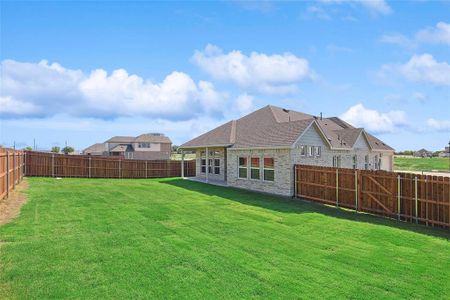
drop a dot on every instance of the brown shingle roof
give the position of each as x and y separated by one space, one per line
273 126
147 137
152 138
121 139
98 147
220 136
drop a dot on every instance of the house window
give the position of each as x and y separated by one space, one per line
202 153
355 161
254 168
144 145
216 166
269 169
337 161
302 150
375 161
203 165
366 162
210 167
317 151
310 151
242 172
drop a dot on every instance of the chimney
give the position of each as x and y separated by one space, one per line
320 115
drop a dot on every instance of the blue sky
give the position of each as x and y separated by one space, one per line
83 71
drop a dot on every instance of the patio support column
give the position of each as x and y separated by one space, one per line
182 164
207 165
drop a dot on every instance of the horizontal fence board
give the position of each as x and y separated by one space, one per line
60 165
408 197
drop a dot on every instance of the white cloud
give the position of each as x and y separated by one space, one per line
420 68
45 89
420 97
244 103
272 74
435 35
439 125
398 39
440 34
374 121
11 106
374 6
319 12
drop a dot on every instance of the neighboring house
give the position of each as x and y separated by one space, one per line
423 153
445 152
150 146
259 150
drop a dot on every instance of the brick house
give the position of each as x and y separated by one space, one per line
259 150
149 146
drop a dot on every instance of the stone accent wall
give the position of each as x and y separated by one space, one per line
214 153
282 184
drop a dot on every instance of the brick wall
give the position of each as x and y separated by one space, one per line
282 185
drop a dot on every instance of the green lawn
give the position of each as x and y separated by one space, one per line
102 238
421 164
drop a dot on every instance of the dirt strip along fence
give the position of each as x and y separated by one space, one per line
11 170
60 165
407 197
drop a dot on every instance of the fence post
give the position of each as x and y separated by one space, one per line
337 187
53 165
7 174
120 168
295 181
146 167
24 164
90 159
415 197
398 196
356 190
14 170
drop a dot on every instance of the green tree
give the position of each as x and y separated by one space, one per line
28 148
68 149
56 149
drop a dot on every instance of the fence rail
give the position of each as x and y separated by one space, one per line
407 197
11 170
60 165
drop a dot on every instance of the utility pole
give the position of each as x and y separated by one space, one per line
34 144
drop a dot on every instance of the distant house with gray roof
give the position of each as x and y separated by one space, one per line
259 150
149 146
423 153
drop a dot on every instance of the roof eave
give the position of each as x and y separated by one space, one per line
204 146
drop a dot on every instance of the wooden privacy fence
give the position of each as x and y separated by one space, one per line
60 165
11 170
407 197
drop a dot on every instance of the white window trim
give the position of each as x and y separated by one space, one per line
239 167
259 168
319 152
264 168
202 165
302 148
215 167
